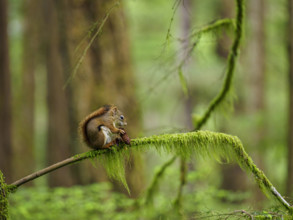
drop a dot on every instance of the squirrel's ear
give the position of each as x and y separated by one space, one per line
115 109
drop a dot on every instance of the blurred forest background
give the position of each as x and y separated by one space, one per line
45 90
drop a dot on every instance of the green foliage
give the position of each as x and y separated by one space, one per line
243 214
95 201
154 185
114 162
98 201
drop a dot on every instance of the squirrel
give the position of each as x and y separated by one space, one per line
101 128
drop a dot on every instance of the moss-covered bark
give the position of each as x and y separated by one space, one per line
3 198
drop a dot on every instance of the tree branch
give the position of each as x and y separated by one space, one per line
202 143
56 166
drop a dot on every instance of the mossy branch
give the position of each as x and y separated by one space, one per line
201 143
216 26
230 67
217 145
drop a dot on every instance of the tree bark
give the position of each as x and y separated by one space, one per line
5 96
289 183
24 124
257 79
257 57
58 115
185 20
63 26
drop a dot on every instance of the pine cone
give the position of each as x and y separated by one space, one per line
125 138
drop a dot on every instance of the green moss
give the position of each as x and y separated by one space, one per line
3 198
215 27
208 144
114 161
204 144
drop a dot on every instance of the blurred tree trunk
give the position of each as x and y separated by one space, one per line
289 187
233 178
5 97
185 29
24 123
256 80
63 23
257 60
58 118
225 10
105 75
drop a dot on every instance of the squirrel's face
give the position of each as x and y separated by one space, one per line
121 121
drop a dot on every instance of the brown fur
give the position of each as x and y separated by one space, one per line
90 127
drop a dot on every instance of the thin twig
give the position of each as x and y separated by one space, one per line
80 60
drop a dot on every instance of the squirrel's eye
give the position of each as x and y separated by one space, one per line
121 117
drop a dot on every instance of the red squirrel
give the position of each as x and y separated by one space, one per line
101 128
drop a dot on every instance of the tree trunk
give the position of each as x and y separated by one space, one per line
63 23
289 187
257 79
24 123
257 58
185 20
5 97
225 10
58 118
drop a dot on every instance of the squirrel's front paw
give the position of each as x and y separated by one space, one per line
122 131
